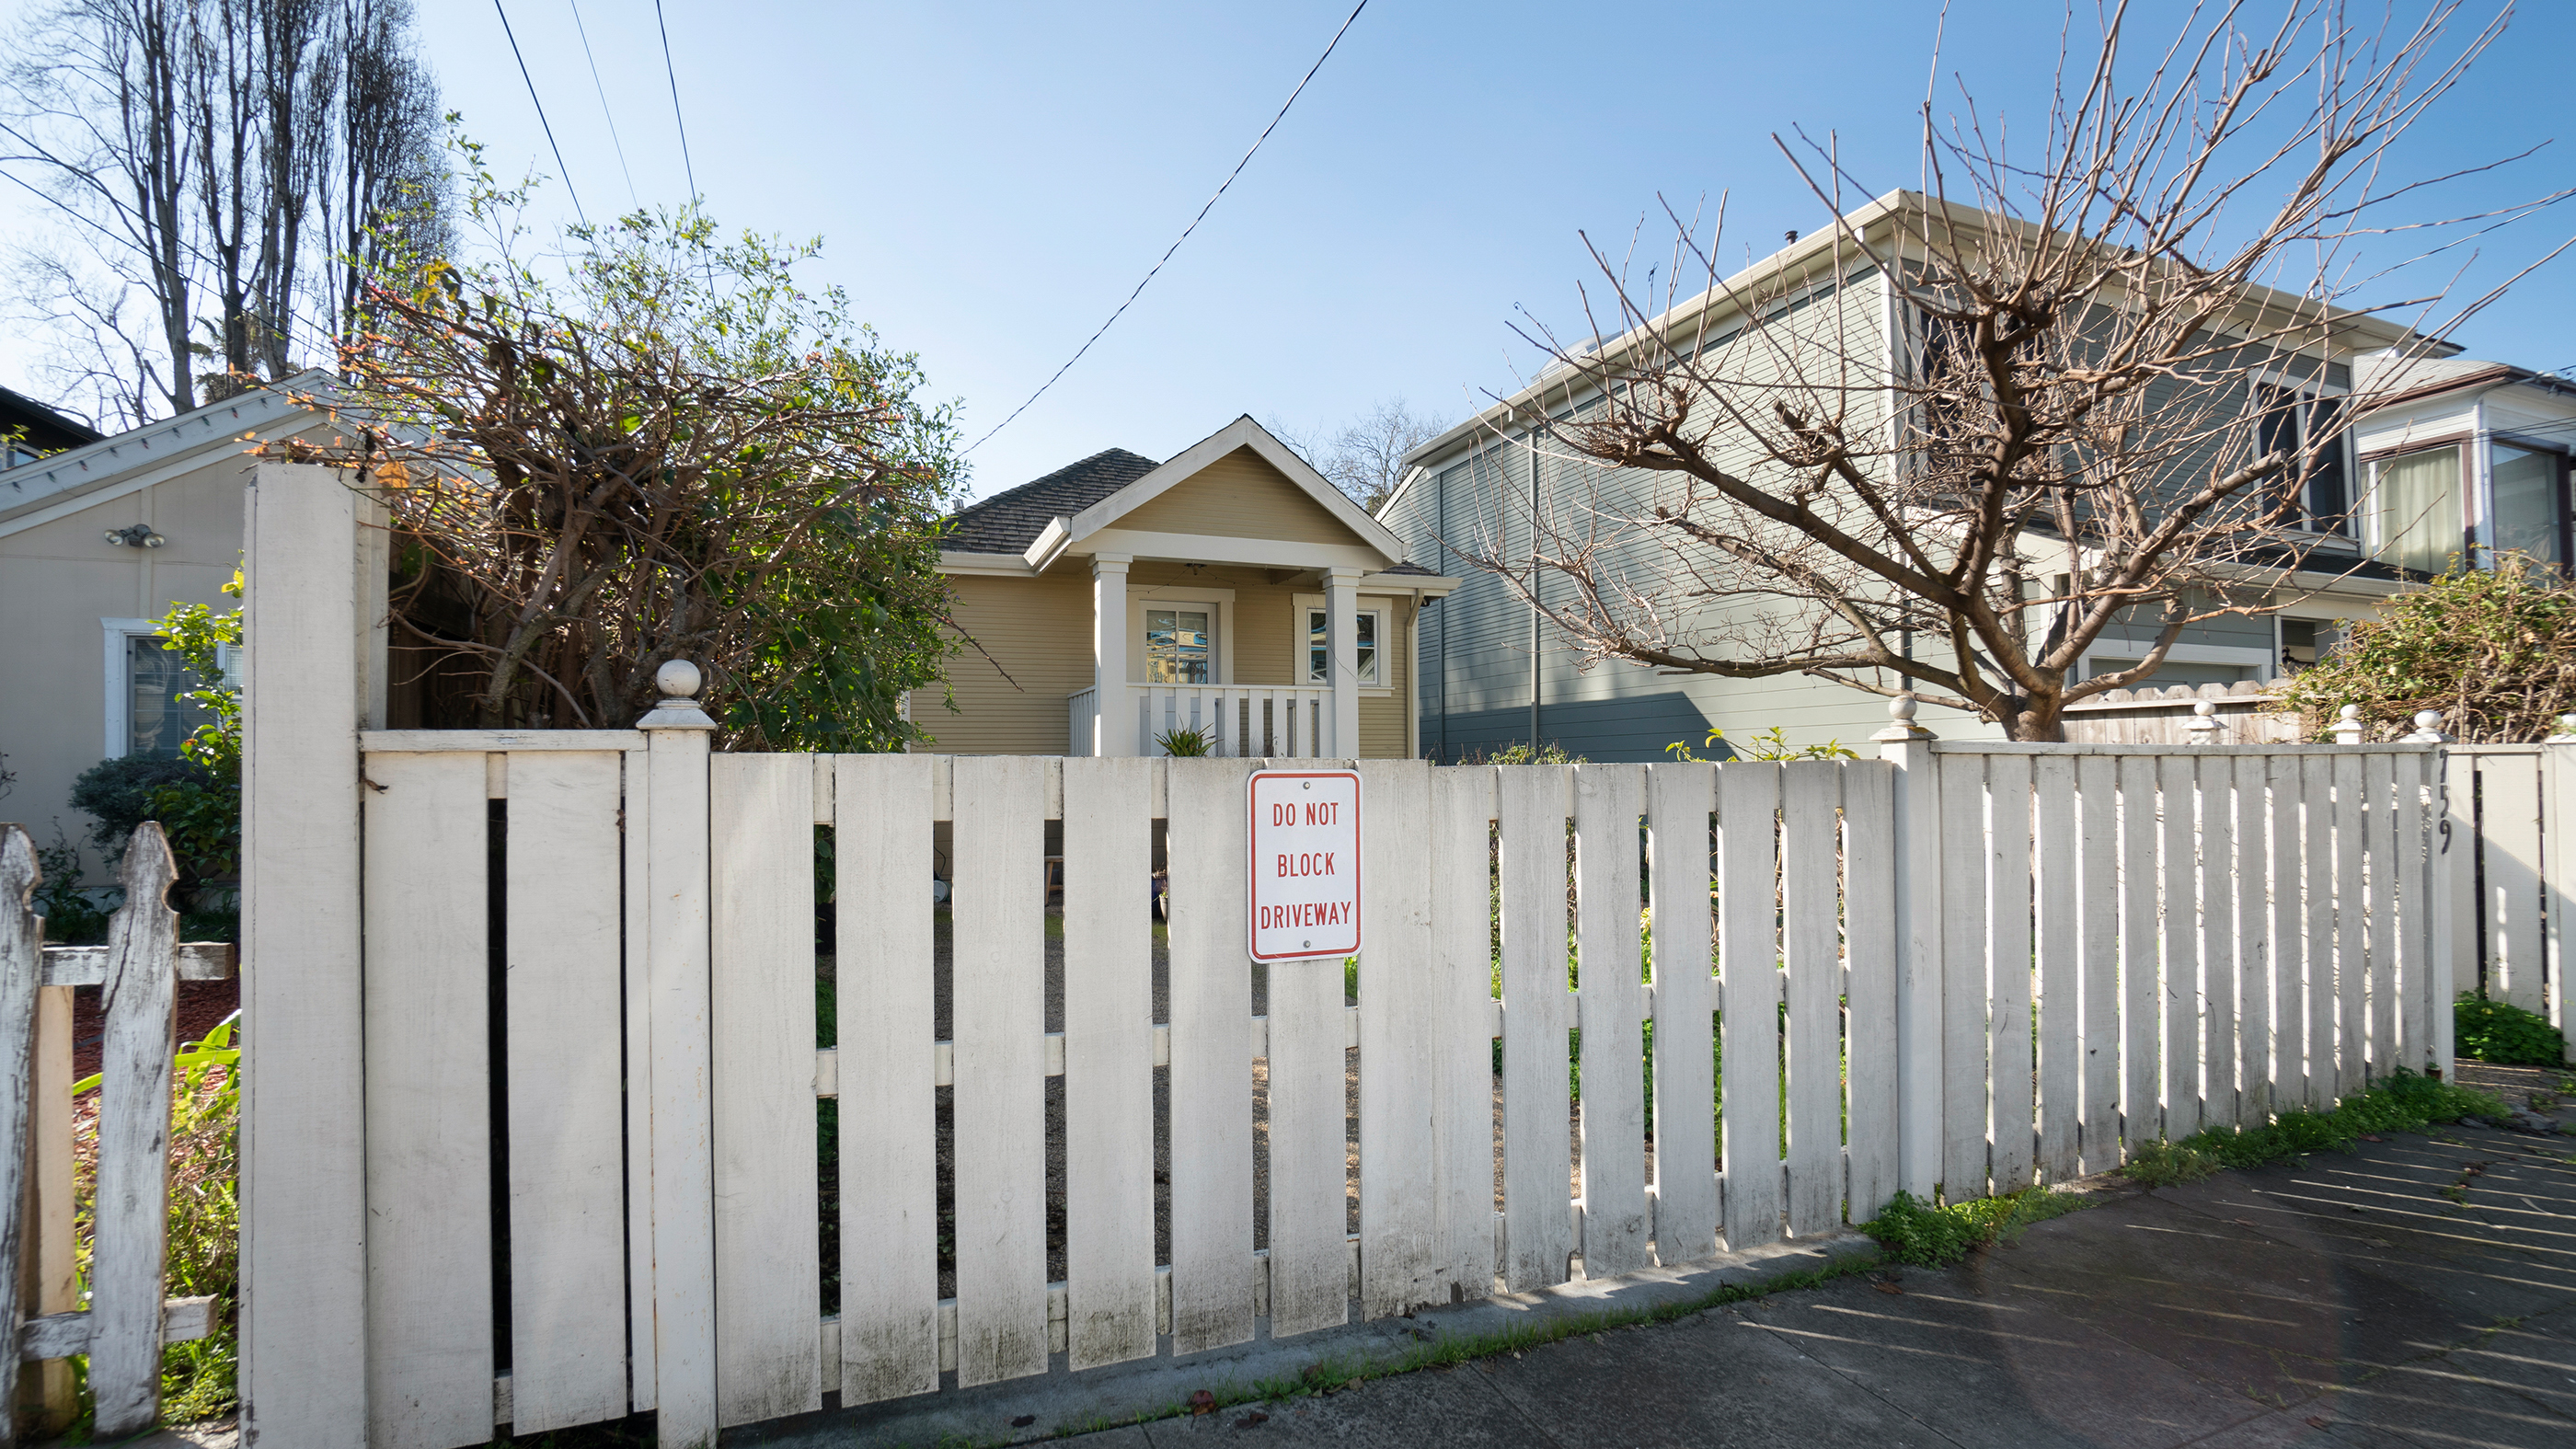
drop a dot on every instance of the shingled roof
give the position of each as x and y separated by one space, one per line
1009 521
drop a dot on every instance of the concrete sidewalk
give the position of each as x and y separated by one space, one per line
2421 1291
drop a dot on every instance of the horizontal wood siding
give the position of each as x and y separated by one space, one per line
1240 496
1039 631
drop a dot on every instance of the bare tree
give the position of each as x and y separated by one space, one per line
185 143
1365 456
2076 402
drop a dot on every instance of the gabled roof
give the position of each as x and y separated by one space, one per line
39 492
1009 521
46 429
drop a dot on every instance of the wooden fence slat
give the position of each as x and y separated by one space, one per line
1611 1006
22 938
2380 861
2509 801
2097 878
2217 999
883 1000
428 1103
768 1265
999 1101
642 1294
1679 799
1748 953
1964 999
2178 955
563 949
1810 950
2351 931
2008 912
2316 975
1457 1035
2558 867
2141 1003
48 1283
1108 1059
2288 954
132 1213
1309 1203
2254 944
2414 938
1211 1075
1408 1042
1538 1234
2057 891
1869 1005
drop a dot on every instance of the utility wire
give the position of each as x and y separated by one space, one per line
1185 231
584 32
688 167
569 189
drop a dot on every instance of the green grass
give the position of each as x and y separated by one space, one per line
2400 1102
1913 1231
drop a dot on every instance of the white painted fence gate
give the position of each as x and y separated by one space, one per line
535 1119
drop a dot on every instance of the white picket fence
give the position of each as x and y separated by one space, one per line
128 1320
1970 966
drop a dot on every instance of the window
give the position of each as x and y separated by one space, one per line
2302 423
1180 645
145 712
2527 495
2415 508
1319 645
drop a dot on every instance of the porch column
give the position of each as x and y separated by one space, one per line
1341 610
1113 720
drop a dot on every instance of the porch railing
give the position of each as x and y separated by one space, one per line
1281 721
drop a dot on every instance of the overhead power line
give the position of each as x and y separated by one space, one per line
566 171
613 139
1185 231
688 167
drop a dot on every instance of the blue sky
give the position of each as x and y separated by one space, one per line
990 180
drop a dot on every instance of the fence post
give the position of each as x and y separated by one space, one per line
677 986
2453 873
303 1142
2558 861
2204 727
1908 746
2347 725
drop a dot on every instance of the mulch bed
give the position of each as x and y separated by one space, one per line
202 1007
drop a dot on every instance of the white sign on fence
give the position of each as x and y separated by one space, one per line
1304 864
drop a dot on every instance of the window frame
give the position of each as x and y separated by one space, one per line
2462 446
1299 624
2306 393
117 636
2481 531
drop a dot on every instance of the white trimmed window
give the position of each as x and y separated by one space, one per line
146 714
2300 418
1315 644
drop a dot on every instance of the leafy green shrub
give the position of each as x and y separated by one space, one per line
1771 744
2493 649
2499 1032
118 795
1522 754
1916 1232
71 917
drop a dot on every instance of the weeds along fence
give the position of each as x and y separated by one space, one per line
127 1321
1958 970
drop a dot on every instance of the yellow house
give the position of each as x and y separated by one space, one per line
1231 592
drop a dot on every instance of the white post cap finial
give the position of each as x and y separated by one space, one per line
2204 722
2428 728
2347 725
678 679
1900 720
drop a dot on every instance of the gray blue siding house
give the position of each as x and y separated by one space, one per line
1492 674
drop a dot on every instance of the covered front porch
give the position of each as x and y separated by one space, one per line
1237 604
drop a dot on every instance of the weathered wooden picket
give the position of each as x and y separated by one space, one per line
1956 969
128 1320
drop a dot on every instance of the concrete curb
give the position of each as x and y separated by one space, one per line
1060 1402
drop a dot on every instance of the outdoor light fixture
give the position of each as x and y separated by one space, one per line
138 536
